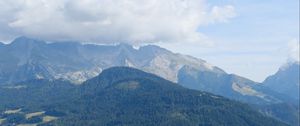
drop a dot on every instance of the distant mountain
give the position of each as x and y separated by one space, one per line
265 98
228 85
26 59
121 96
286 80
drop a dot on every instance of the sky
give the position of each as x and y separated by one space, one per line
251 38
262 37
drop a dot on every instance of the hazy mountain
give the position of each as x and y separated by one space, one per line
229 85
26 59
266 99
286 80
121 96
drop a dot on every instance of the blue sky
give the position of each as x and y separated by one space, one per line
255 43
251 38
261 33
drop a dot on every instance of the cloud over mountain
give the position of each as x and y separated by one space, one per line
106 21
293 47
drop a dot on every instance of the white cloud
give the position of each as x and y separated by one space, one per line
293 49
222 14
105 21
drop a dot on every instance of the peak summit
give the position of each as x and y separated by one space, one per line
119 73
25 41
289 65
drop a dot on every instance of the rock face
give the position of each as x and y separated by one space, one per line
228 85
286 80
26 59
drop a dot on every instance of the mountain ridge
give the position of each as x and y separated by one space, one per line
286 80
92 57
78 62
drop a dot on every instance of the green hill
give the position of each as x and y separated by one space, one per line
124 96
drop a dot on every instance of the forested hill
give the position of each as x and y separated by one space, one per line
122 96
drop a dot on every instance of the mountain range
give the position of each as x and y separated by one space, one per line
29 59
26 59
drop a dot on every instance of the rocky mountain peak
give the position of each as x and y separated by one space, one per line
286 80
22 41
